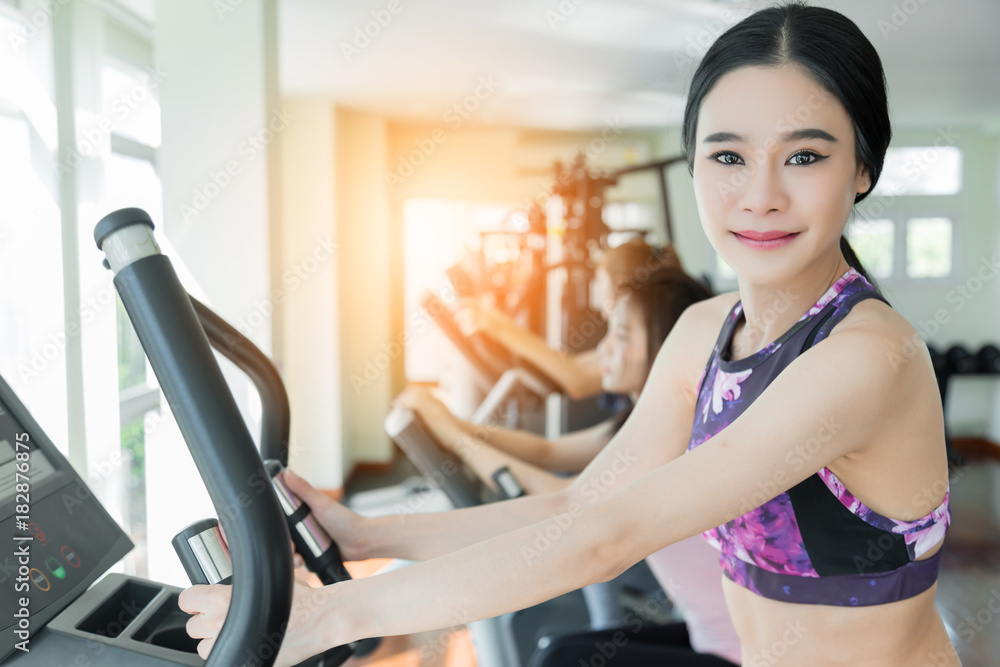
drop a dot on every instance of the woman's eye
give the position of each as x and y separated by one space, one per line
805 158
727 158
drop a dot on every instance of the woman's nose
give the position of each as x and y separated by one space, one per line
763 191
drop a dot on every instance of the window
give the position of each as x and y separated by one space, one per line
920 170
431 230
872 241
893 235
32 324
928 247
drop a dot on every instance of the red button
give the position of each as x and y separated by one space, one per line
70 557
38 533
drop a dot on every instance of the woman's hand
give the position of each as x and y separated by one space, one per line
424 403
310 628
344 526
472 318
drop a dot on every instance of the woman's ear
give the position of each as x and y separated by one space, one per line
863 180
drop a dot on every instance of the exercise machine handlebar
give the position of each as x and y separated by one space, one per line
220 444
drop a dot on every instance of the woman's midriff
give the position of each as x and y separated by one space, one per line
908 633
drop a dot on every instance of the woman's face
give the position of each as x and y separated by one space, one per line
622 351
775 172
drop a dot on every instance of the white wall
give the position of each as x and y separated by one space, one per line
219 123
306 293
366 239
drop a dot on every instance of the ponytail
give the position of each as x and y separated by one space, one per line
853 261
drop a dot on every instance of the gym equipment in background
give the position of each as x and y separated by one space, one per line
512 381
958 361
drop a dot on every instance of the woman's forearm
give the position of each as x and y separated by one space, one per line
509 572
528 447
575 379
420 536
486 460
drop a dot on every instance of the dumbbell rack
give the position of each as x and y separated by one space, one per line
958 361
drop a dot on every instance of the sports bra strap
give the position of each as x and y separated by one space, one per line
835 314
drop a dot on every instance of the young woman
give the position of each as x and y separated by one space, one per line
813 433
640 320
577 375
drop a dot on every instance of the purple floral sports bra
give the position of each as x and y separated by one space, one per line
815 543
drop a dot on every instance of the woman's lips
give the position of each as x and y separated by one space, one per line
764 240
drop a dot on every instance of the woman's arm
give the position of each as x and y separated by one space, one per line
413 535
486 460
568 453
578 376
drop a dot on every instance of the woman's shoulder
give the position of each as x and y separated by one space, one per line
875 320
880 338
698 328
709 315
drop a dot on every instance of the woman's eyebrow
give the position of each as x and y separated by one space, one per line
723 137
810 133
796 135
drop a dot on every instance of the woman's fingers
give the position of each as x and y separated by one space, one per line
304 490
208 606
204 626
205 647
205 599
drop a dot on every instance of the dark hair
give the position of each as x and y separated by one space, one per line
830 48
660 299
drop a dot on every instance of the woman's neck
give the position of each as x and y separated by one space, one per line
771 310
